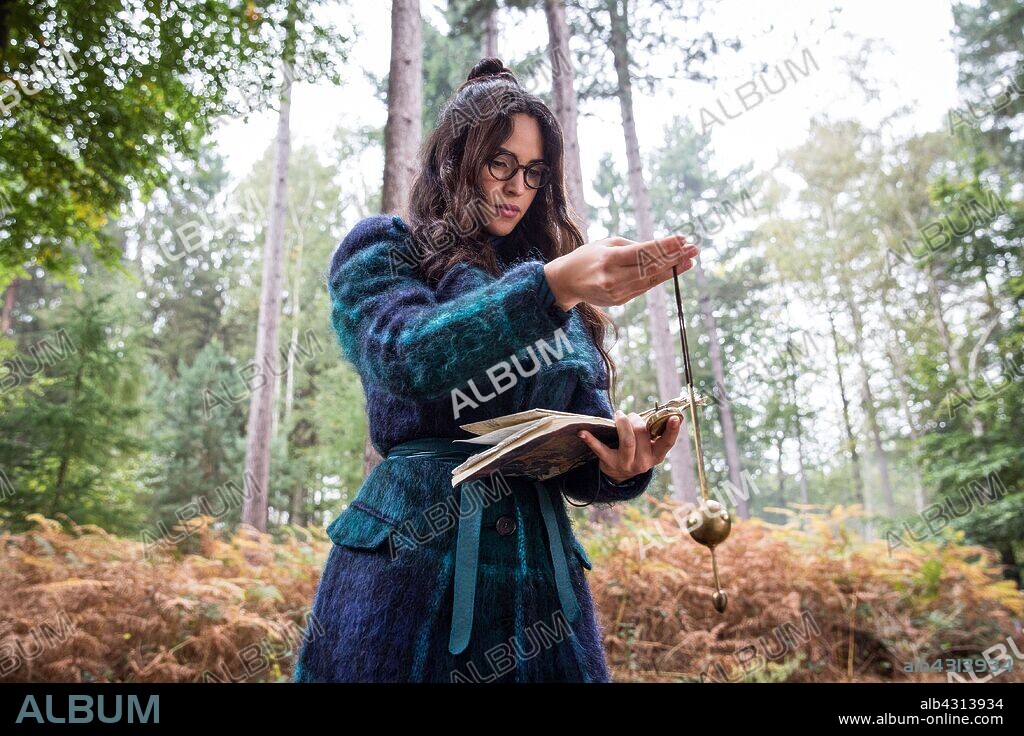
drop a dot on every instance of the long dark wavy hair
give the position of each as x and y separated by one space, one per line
448 209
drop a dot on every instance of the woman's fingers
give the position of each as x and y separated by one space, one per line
640 261
636 452
663 444
662 271
648 251
627 438
615 270
652 280
604 453
654 264
621 457
643 457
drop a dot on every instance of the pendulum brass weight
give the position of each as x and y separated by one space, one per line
710 523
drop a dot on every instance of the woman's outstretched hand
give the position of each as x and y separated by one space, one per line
636 452
612 271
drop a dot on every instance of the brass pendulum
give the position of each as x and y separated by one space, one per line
709 524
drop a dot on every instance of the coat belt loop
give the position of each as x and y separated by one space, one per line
467 555
570 606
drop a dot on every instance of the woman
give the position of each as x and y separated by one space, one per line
446 319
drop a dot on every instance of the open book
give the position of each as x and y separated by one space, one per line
542 443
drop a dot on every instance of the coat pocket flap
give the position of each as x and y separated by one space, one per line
360 527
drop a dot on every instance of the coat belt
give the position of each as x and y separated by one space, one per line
467 553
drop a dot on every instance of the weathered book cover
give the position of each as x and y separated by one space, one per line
542 443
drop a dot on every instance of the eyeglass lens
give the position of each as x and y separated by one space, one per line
503 167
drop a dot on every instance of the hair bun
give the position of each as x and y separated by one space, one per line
491 66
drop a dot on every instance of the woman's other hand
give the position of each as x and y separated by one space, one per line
612 271
636 452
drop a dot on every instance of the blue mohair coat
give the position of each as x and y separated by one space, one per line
383 613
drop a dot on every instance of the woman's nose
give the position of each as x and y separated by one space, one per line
517 183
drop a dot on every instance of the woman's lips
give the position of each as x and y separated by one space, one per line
507 211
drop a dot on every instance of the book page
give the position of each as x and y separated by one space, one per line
493 438
486 456
489 425
542 450
549 446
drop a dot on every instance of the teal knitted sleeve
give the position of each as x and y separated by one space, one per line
399 337
587 484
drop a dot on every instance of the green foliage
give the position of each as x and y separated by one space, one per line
198 442
85 127
976 437
991 61
70 422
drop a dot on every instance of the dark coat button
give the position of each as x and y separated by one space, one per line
505 525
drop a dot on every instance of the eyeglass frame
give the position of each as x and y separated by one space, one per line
515 169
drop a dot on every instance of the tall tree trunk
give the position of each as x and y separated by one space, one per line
805 496
870 411
275 421
298 495
563 94
10 295
261 406
56 499
894 352
959 373
871 416
732 450
940 322
990 297
403 131
296 297
489 40
684 486
779 474
936 301
851 441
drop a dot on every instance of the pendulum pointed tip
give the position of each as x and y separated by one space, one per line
721 600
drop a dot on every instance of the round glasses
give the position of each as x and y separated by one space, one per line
504 166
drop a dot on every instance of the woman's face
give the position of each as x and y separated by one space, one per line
527 146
